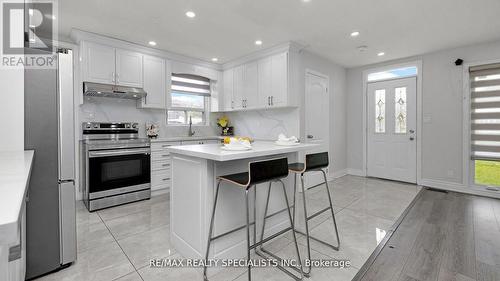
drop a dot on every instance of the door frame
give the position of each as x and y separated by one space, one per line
419 65
327 140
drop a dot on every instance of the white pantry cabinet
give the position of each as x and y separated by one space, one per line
259 84
156 76
109 65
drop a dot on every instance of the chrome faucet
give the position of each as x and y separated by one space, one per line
191 132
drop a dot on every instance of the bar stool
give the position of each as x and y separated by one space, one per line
258 172
314 162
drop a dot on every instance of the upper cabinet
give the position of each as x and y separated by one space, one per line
263 83
129 68
156 77
108 65
99 63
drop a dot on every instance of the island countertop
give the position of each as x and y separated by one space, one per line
15 169
259 148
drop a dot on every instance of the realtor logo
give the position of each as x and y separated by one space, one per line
28 31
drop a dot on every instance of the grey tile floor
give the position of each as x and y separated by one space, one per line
117 243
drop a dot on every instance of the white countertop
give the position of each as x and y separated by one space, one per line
15 170
193 138
259 148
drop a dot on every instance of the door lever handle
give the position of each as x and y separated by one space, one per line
412 131
412 138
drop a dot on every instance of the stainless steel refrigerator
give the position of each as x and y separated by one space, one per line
49 130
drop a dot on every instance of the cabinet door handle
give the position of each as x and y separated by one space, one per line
165 179
272 100
166 165
165 145
165 155
117 78
268 100
113 79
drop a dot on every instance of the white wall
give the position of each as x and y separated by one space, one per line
442 145
267 124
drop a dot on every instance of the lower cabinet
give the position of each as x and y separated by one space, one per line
161 162
160 165
17 253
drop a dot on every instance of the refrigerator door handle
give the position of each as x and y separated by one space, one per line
65 181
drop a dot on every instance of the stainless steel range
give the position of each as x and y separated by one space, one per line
116 165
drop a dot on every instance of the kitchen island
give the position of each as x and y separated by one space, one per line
194 172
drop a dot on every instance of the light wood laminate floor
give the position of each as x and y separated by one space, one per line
444 236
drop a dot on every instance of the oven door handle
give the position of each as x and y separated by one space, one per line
94 154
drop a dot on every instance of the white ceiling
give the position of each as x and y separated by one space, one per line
227 29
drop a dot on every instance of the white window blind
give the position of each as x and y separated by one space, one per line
191 84
485 112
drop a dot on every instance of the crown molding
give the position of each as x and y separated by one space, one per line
78 35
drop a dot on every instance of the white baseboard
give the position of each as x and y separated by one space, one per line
337 174
355 172
458 187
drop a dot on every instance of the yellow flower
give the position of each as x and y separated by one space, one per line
223 121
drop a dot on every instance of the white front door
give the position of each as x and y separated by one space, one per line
317 119
392 123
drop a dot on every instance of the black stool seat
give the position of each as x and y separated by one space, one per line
314 162
296 167
241 179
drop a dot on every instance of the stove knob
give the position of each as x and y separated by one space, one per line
127 125
87 126
134 125
96 126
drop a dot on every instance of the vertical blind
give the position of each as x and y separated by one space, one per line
190 84
485 112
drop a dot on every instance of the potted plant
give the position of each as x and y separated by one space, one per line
223 122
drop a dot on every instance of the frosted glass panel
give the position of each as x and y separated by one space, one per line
400 110
380 111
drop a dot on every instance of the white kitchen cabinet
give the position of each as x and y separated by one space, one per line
227 93
238 87
155 83
250 85
109 65
129 68
279 78
258 84
99 65
265 67
160 165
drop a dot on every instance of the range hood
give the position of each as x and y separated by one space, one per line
112 91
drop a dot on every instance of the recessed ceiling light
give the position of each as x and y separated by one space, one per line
355 34
258 42
152 43
380 54
215 59
190 14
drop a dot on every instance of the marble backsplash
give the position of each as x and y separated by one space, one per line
258 124
99 109
266 124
